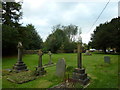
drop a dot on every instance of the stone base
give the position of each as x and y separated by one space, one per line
49 63
40 71
81 76
20 66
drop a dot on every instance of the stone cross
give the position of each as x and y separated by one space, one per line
79 55
49 53
20 66
20 48
40 53
79 51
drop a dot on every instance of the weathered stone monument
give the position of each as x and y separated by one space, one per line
60 67
107 59
40 70
79 72
50 60
19 66
87 53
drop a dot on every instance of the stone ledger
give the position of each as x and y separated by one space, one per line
81 76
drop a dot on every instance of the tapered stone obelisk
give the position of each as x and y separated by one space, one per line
79 72
19 66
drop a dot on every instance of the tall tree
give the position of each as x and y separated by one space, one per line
71 31
11 13
55 40
107 35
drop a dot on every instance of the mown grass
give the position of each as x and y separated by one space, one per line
102 75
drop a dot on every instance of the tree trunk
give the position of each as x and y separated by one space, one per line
104 49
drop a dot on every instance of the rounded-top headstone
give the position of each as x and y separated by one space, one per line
60 67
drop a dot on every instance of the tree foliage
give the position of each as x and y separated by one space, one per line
12 31
107 35
71 31
60 40
11 13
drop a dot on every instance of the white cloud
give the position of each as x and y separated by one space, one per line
43 15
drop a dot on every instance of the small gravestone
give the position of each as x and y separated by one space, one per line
107 59
87 53
60 68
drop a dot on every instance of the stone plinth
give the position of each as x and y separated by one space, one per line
81 76
40 71
20 66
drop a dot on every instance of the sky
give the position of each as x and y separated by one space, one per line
44 14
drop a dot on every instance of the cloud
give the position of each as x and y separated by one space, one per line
43 15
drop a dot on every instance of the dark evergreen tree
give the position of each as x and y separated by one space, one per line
11 13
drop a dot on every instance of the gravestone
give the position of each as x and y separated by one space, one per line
87 53
19 66
60 68
40 70
79 72
50 60
107 59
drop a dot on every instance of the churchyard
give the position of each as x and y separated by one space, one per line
43 53
102 75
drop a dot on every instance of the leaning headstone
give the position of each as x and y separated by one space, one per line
107 59
60 68
19 66
50 60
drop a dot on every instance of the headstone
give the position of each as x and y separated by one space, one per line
87 52
60 68
107 59
20 66
50 60
40 53
79 72
40 70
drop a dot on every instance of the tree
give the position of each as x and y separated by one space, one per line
33 39
59 40
55 40
11 13
106 35
12 31
70 31
9 40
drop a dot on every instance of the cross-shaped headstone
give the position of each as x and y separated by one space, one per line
50 61
20 47
79 50
20 66
40 53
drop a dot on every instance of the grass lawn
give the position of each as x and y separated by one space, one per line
102 75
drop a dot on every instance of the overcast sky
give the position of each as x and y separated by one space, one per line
44 14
